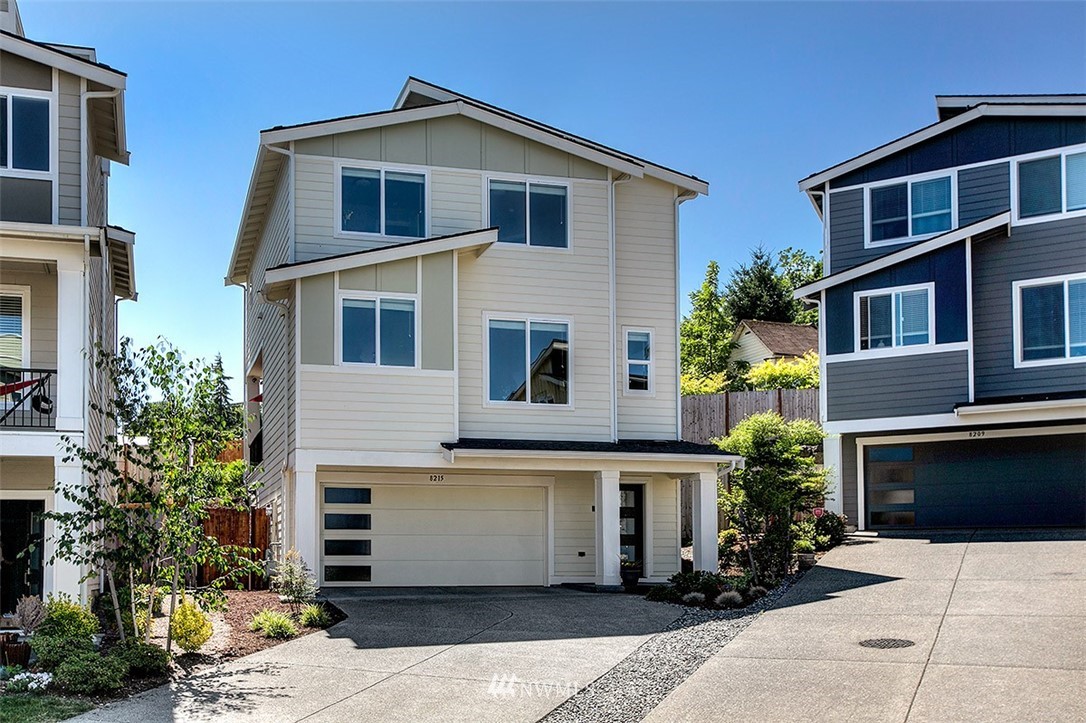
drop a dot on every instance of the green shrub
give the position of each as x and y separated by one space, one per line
663 593
694 599
144 660
65 617
832 526
294 581
703 581
91 673
52 650
726 541
796 373
803 546
273 624
190 627
729 599
315 616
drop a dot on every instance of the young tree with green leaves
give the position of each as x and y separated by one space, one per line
799 268
705 333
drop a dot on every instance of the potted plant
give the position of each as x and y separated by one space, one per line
805 552
630 571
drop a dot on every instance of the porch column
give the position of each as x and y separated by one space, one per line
63 576
71 366
705 522
607 528
306 522
831 461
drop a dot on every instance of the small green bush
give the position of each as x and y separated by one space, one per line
695 599
91 673
729 599
707 583
53 650
315 616
832 526
190 627
803 546
65 617
144 660
273 624
726 541
663 593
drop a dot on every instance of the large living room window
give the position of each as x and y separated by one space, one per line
381 201
1050 320
378 331
891 318
915 208
528 361
1051 184
530 213
24 133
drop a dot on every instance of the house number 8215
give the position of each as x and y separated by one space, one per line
437 478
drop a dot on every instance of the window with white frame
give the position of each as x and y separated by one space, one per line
1050 320
382 201
890 318
900 211
1051 184
14 327
377 331
24 132
530 213
639 361
528 361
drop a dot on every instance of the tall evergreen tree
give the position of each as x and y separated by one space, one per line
227 415
705 334
758 291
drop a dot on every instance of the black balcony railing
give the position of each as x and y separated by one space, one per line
27 398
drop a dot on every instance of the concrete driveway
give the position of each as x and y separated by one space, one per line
494 654
997 621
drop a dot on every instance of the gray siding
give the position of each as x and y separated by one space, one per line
847 232
983 191
848 478
68 151
897 386
1036 251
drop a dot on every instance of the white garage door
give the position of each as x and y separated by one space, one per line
397 535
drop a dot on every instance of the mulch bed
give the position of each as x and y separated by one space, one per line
241 607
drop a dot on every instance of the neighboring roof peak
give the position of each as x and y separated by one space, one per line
10 19
784 338
949 106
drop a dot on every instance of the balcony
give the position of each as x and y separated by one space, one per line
27 398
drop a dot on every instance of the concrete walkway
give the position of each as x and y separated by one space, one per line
998 622
475 654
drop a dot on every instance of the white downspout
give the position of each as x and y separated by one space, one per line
612 300
679 199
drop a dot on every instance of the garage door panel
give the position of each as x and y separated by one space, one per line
455 522
438 572
455 497
458 547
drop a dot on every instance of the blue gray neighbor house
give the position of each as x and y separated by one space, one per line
953 318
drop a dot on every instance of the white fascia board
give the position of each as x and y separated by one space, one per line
62 61
360 123
47 232
422 88
232 274
479 239
615 456
1068 109
1073 408
950 237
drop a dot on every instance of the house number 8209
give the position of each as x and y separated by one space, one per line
437 478
977 433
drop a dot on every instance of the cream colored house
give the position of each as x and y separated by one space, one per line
461 335
759 341
62 271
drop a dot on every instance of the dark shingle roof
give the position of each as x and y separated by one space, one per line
623 446
783 339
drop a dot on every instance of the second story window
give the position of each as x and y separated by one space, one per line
14 349
534 214
24 133
639 361
1050 320
381 201
1052 184
914 208
528 361
378 331
890 318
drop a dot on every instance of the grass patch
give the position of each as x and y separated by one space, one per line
30 708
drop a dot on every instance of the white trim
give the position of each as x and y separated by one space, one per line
704 459
917 350
969 315
23 292
1016 315
893 292
339 164
650 363
987 409
908 182
1063 213
823 360
456 343
52 173
356 368
62 61
528 320
378 297
529 181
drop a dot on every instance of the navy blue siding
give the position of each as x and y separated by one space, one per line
946 267
847 232
896 386
984 139
983 191
1031 252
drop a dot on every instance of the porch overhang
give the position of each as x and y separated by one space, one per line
1027 408
676 456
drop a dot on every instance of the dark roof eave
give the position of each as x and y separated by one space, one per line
675 448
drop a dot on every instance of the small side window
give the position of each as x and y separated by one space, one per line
639 361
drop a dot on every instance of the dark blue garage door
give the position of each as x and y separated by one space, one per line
978 482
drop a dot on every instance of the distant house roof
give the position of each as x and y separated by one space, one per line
781 338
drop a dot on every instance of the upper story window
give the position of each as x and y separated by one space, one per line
891 318
528 361
530 213
24 132
639 362
381 201
1051 184
378 331
1050 320
14 327
902 211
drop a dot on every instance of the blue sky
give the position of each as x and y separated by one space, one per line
751 96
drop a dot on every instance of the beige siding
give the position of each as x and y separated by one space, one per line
26 473
456 200
69 149
665 526
574 526
552 283
645 297
750 349
98 308
363 409
43 311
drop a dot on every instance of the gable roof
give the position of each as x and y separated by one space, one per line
782 338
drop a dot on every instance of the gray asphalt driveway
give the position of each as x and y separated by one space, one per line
997 621
495 654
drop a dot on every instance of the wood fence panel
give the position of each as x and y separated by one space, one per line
244 528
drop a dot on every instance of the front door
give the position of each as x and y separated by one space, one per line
631 520
21 525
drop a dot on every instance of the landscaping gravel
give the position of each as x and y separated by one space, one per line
630 690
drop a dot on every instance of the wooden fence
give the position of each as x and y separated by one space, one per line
245 528
709 416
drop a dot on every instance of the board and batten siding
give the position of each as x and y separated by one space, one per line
645 298
562 284
983 191
897 386
1031 252
363 409
574 526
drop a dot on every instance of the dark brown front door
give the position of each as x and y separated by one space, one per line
21 525
631 520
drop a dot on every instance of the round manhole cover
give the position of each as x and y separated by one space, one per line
887 643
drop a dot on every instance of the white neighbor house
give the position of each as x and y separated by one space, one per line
62 271
461 344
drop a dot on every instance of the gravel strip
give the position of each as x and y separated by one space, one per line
631 689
